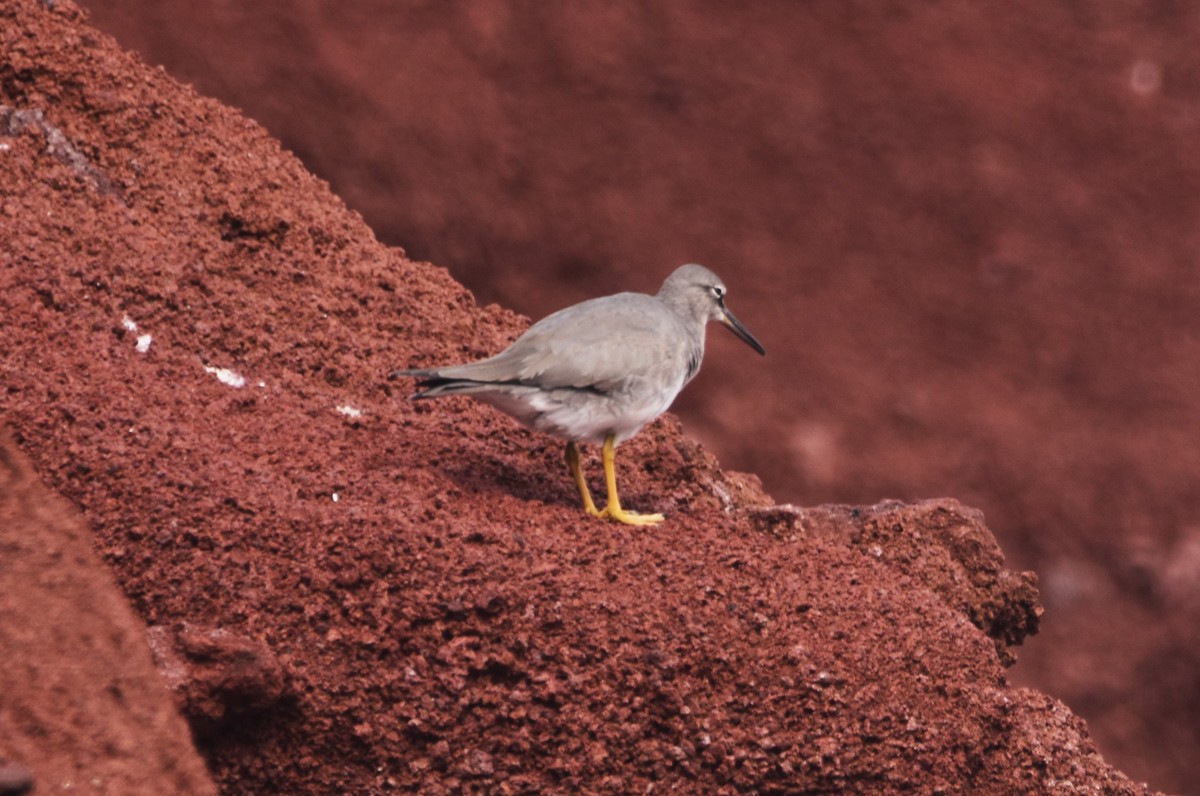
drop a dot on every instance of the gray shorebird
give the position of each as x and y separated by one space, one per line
598 371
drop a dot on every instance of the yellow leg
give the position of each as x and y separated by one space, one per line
577 473
613 510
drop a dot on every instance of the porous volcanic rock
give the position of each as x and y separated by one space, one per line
82 708
965 232
195 341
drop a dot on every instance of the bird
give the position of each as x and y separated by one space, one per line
598 371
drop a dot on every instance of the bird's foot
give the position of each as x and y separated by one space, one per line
619 514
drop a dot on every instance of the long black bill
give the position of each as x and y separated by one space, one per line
736 327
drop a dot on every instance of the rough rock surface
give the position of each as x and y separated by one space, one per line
964 231
399 596
82 708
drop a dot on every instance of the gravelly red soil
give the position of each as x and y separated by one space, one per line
351 592
82 708
965 232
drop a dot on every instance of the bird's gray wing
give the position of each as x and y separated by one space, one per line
594 345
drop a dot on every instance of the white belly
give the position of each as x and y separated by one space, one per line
584 416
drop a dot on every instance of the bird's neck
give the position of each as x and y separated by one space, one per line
695 354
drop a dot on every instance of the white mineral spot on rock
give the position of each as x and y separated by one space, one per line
227 376
143 340
349 411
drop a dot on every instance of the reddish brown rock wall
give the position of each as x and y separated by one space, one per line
355 593
965 232
82 708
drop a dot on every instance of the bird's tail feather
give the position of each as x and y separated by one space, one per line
432 385
436 388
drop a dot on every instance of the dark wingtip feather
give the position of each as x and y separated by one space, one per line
439 386
422 374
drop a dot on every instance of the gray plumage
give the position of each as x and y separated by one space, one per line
602 368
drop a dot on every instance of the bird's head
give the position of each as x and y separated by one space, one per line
696 292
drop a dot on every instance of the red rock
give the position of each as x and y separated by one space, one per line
219 243
80 701
975 253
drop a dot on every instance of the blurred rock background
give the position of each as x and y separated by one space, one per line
966 234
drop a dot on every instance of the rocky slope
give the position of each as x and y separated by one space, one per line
82 708
350 592
965 231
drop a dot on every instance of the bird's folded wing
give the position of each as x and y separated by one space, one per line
597 345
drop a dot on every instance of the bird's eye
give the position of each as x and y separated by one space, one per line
718 292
